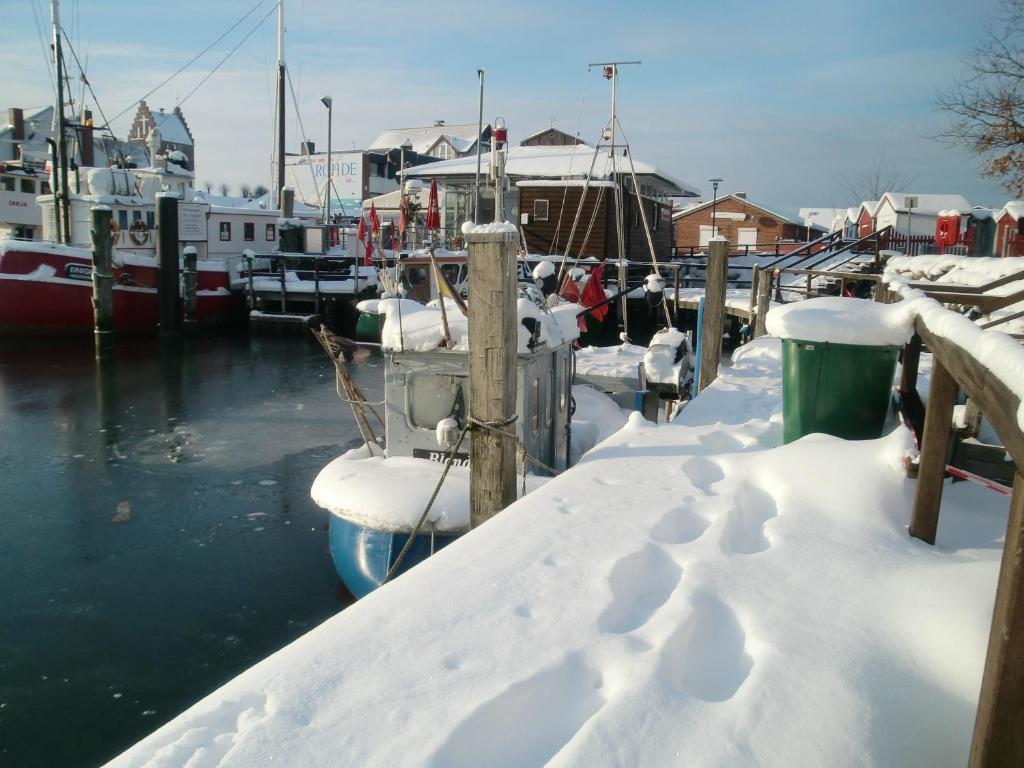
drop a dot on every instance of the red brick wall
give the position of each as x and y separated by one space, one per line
770 228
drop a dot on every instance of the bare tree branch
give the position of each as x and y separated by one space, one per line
875 180
987 104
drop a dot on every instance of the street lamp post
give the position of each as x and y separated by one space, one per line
807 223
329 103
714 207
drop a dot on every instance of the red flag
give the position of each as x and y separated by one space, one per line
374 221
433 209
593 293
361 229
368 256
395 245
569 291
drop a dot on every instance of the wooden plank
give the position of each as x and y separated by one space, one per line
998 740
714 311
911 360
924 519
492 372
993 398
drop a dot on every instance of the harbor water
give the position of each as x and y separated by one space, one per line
158 536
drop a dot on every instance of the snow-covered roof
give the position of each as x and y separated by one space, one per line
551 163
1014 207
825 218
425 138
926 203
172 128
870 206
262 203
789 217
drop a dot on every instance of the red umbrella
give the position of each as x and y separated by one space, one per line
433 209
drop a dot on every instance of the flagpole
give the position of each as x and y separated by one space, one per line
479 133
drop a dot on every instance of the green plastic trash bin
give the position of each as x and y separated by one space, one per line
838 389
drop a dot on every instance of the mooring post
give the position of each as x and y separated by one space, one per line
909 364
168 296
714 310
191 280
764 292
102 276
493 344
938 418
755 273
248 256
998 737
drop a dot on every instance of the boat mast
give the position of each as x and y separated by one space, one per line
64 231
280 99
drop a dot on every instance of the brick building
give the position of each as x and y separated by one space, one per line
741 221
175 135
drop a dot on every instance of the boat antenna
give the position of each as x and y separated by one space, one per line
280 98
64 235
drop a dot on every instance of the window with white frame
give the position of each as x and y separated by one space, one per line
706 233
540 210
746 236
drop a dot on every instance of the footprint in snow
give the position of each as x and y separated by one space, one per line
571 695
744 526
640 584
706 657
703 473
680 525
720 442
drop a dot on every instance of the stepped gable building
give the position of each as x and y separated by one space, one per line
174 131
741 221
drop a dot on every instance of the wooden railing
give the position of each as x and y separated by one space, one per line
998 738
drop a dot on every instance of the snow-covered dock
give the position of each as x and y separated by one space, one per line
691 593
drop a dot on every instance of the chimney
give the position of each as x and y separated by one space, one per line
87 157
16 118
741 195
439 123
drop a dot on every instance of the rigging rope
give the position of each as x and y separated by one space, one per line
195 58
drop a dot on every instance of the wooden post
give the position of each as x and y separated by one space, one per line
191 280
168 297
493 342
764 291
998 736
755 273
102 277
714 311
248 255
924 520
911 359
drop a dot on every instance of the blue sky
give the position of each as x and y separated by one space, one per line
785 101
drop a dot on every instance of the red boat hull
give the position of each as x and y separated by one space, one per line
48 289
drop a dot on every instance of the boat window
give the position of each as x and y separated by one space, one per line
271 235
249 231
28 185
564 384
44 188
451 273
150 219
540 210
122 219
433 397
417 275
535 406
225 230
136 215
549 392
7 183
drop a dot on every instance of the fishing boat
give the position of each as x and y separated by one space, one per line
376 493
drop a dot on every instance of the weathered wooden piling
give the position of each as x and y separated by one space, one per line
492 373
102 276
714 311
764 300
191 281
924 520
168 294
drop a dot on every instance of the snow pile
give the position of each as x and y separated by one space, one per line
596 417
955 270
660 363
839 320
745 604
495 228
411 326
620 362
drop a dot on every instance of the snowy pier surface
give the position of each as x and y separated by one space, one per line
689 594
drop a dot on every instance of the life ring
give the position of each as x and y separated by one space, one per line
115 230
139 232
